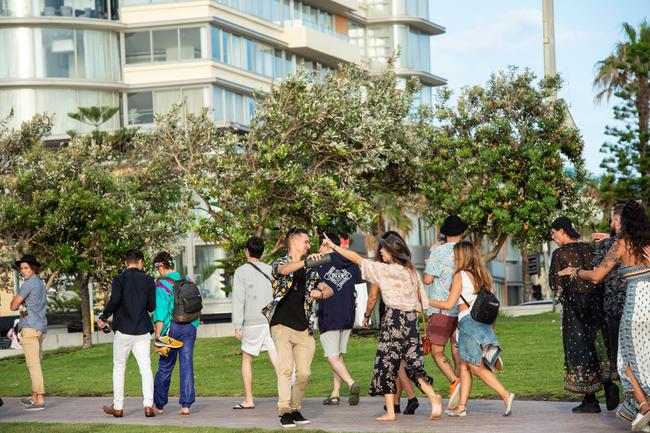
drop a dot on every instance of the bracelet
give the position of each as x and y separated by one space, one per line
367 316
575 273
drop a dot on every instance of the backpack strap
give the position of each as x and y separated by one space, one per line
261 272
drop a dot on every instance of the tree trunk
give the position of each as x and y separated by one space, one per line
84 295
525 277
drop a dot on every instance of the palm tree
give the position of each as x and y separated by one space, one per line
627 71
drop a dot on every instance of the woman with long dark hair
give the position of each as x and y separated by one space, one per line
477 343
403 382
399 337
631 250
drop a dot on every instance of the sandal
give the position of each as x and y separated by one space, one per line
458 413
332 401
642 419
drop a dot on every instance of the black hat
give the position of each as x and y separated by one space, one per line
567 225
27 258
453 226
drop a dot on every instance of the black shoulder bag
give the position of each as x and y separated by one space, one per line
485 308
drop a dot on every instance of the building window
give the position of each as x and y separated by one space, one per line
83 9
233 107
138 47
58 49
169 45
206 272
141 106
26 102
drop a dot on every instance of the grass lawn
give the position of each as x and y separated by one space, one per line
532 354
118 428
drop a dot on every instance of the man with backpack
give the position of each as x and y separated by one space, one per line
176 319
133 297
251 291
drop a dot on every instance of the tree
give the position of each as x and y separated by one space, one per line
497 156
316 154
79 208
625 74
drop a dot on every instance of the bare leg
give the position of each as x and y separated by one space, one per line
456 357
389 399
639 395
405 383
490 380
247 378
338 366
436 399
336 385
465 386
439 357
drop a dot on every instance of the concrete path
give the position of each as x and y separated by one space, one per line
484 416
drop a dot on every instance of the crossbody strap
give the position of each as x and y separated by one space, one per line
261 272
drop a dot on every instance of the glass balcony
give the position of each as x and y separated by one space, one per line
395 8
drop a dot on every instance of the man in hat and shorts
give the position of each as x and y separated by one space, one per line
439 274
33 326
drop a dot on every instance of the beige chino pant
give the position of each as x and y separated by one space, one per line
294 348
32 341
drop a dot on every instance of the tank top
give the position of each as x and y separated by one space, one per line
467 291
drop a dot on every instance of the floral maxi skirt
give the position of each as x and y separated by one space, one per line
399 340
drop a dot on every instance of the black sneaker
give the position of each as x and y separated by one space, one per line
612 396
397 408
1 402
587 407
298 418
286 420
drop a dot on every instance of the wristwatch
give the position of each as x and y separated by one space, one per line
367 316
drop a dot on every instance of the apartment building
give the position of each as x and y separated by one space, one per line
146 55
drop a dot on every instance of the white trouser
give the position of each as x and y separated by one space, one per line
123 344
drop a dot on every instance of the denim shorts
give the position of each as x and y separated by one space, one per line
473 336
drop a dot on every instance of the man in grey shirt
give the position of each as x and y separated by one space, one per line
251 292
33 326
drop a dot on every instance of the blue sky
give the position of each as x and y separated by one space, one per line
485 36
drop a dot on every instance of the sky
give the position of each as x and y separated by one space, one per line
487 36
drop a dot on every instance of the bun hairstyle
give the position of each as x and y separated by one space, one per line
468 259
164 259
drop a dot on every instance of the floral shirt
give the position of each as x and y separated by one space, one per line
399 287
441 266
282 283
615 285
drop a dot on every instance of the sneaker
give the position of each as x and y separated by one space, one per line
587 407
165 341
454 394
34 407
298 418
1 402
27 401
286 421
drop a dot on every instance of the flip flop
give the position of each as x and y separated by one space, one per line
241 406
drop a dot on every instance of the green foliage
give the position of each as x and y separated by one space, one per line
497 156
625 74
316 154
81 206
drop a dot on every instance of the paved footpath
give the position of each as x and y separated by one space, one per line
484 416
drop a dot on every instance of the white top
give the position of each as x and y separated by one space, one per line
467 291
